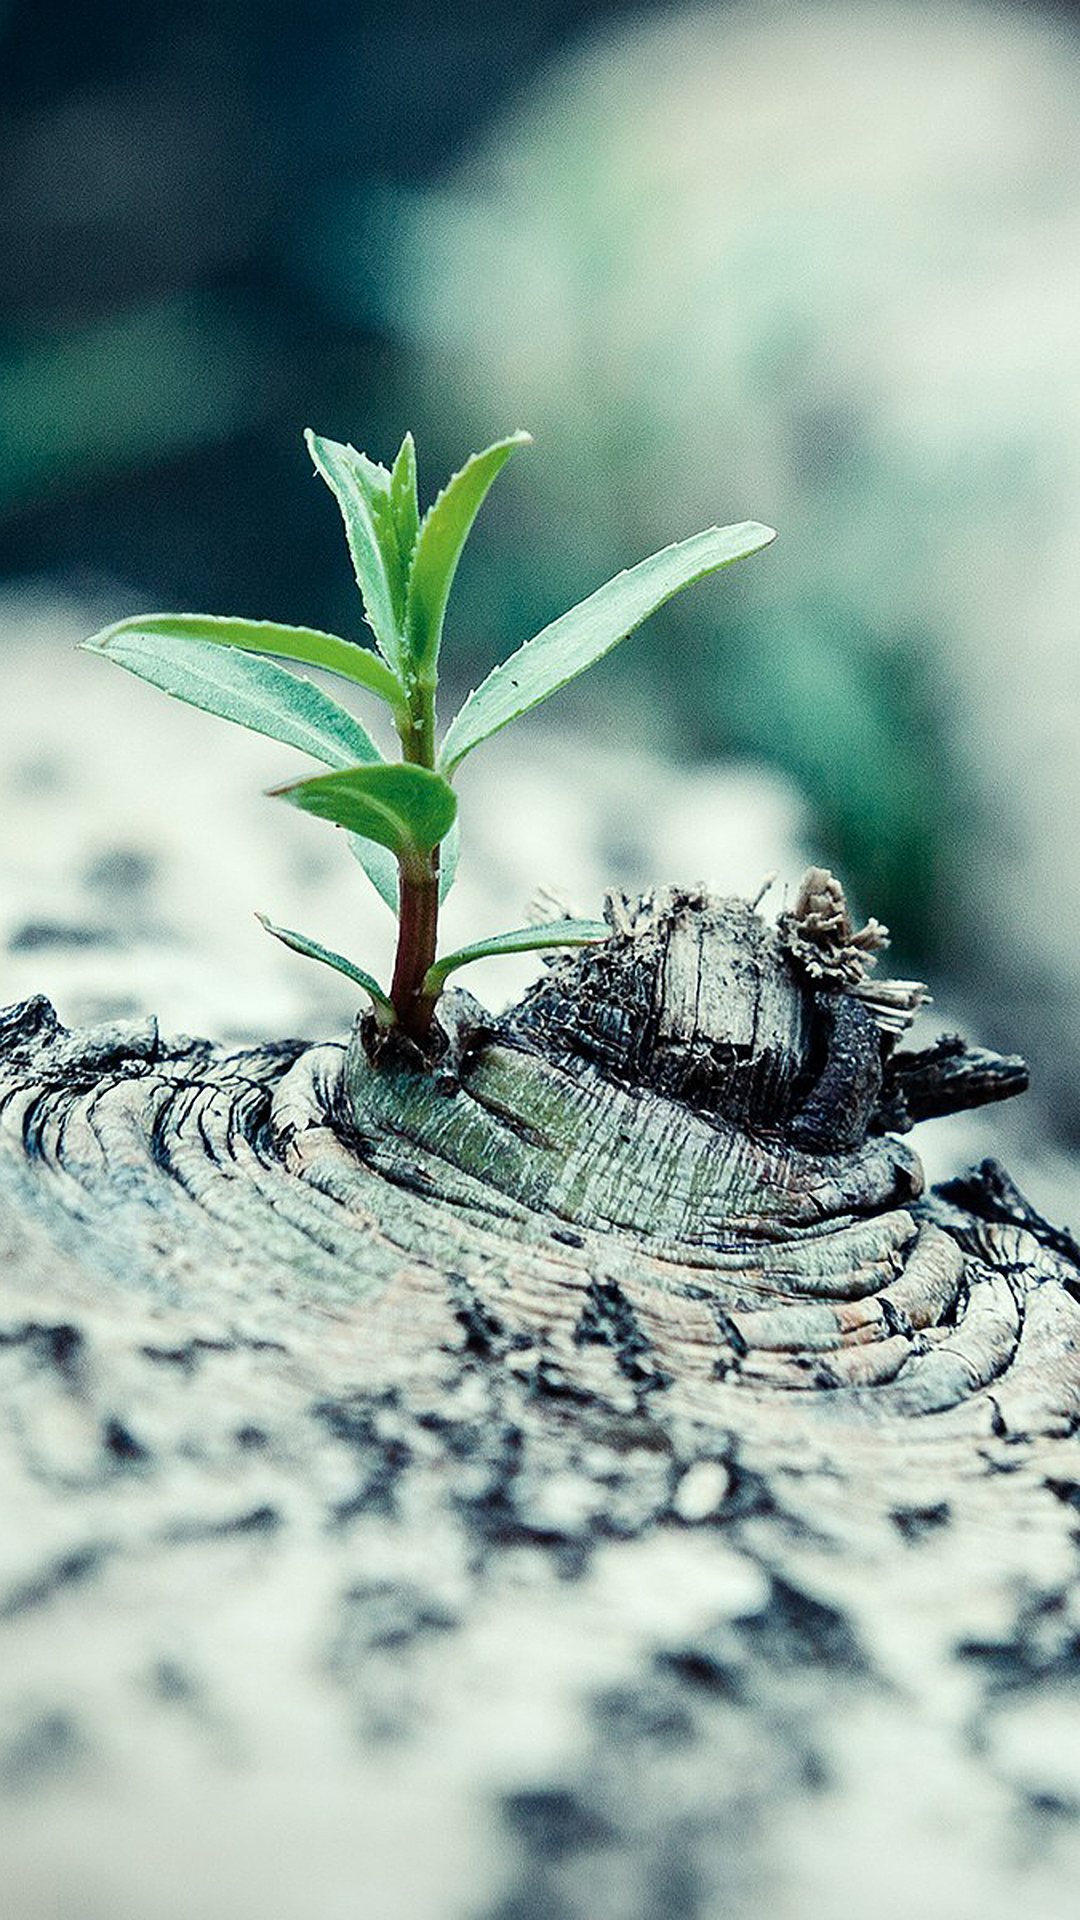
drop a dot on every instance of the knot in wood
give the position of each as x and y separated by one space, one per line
698 998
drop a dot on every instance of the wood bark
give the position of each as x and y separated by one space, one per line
564 1487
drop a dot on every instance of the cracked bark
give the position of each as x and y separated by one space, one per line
601 1484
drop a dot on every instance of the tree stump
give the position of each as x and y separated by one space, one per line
589 1479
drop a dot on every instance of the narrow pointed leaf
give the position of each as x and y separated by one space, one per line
443 532
408 809
300 943
403 500
557 933
449 852
362 491
237 639
578 638
380 866
382 869
307 644
251 691
375 476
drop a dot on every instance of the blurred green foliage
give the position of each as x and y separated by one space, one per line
167 175
133 389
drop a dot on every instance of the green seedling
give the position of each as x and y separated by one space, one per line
401 815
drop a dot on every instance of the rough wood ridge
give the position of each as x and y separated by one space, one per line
600 1457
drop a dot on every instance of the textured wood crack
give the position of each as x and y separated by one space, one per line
372 1453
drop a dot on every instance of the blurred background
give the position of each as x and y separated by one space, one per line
815 264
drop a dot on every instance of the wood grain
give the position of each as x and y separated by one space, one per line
391 1527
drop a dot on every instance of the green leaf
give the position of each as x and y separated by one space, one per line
362 490
408 809
403 500
299 942
298 699
242 687
557 933
382 869
380 866
578 638
449 853
315 649
443 533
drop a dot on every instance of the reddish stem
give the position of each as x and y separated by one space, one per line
418 926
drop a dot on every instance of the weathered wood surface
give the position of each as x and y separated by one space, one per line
384 1539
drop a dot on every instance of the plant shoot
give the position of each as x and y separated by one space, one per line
401 815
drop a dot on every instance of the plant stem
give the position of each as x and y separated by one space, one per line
418 927
418 745
418 887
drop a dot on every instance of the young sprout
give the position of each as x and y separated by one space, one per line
401 816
